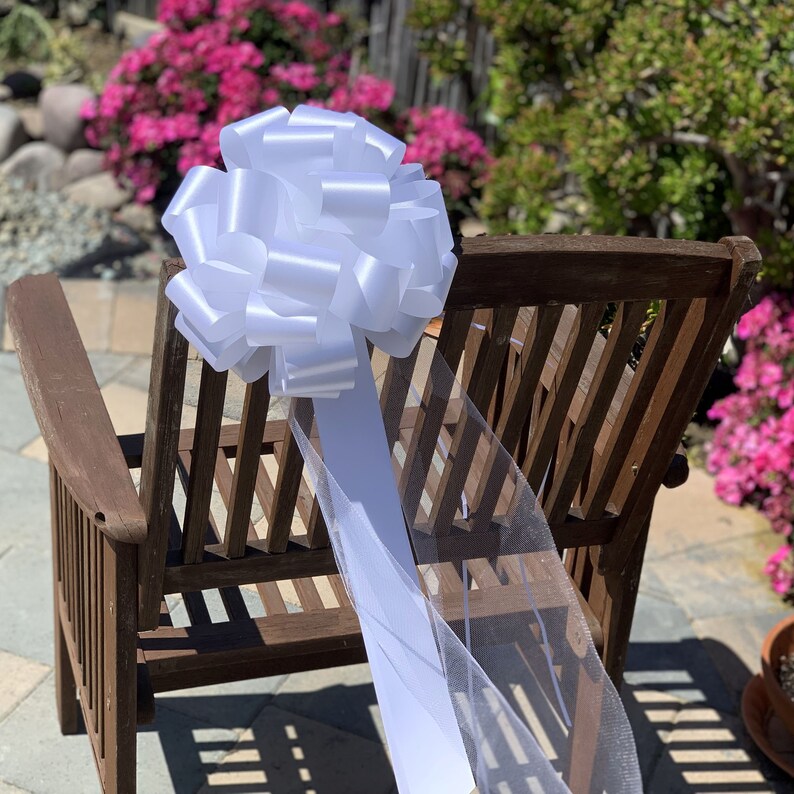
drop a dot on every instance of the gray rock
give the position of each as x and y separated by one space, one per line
24 83
60 106
12 133
131 26
5 93
35 164
82 163
139 217
41 232
76 14
99 190
32 121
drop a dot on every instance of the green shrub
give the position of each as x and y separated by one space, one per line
656 117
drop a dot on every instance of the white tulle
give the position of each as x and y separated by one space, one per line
315 240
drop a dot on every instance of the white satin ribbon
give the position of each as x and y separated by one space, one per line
314 239
315 230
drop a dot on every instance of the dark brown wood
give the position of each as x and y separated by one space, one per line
246 467
209 414
517 404
678 471
145 714
557 393
555 408
660 343
65 689
676 413
258 565
273 636
583 738
158 460
547 269
69 407
317 529
120 663
611 364
568 534
485 374
290 471
224 669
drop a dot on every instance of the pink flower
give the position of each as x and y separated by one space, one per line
300 76
753 322
752 452
175 13
780 569
304 15
450 152
366 94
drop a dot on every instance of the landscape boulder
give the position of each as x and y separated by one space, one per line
82 163
99 190
12 133
60 107
38 164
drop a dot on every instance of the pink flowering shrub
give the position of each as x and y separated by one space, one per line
456 156
218 61
752 453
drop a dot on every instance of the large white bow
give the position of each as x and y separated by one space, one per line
315 229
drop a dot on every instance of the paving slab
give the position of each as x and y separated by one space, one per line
24 502
133 317
108 366
126 406
35 756
20 677
233 706
666 655
92 302
137 373
9 360
19 426
343 697
7 788
26 613
287 753
720 578
691 515
652 715
173 754
735 645
707 751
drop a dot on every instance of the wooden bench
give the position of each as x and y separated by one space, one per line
594 437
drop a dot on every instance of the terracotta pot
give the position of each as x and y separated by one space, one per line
779 642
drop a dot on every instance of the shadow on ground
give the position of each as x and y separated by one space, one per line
683 700
284 750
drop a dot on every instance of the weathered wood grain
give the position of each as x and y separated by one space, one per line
69 407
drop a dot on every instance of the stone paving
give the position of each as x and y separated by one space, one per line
703 610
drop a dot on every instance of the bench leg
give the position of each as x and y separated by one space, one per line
120 662
65 689
613 597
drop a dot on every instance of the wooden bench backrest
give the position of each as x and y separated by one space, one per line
523 315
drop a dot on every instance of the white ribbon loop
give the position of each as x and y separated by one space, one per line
315 230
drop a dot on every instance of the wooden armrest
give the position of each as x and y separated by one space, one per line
69 408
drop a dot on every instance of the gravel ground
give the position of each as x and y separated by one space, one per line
42 232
